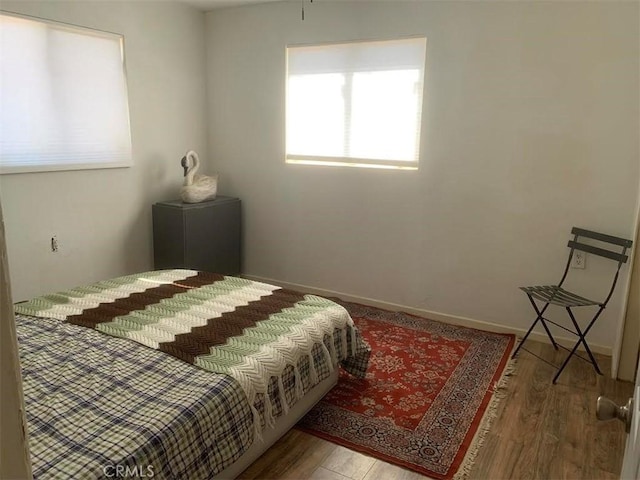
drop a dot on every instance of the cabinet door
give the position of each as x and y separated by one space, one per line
213 238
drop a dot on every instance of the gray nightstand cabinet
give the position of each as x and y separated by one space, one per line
199 236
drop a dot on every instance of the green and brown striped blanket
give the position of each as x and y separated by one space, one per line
249 330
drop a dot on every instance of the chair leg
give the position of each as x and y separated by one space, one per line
564 364
581 340
582 336
539 318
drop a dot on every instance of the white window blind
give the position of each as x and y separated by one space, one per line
63 97
357 103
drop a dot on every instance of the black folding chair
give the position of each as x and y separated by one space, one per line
556 295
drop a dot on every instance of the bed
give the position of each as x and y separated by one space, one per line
131 377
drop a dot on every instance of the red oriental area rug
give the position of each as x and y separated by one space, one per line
428 397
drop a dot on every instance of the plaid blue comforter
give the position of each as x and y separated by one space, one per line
104 407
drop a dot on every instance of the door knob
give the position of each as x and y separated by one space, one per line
608 410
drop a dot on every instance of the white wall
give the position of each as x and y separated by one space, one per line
102 218
530 127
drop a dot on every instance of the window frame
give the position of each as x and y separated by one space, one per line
346 161
72 166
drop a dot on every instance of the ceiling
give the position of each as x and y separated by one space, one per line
206 5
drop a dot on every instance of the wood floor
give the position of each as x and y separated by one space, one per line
542 431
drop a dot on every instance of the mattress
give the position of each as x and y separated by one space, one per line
98 405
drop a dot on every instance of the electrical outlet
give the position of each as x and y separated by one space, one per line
55 246
579 259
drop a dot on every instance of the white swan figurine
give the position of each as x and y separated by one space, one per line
196 188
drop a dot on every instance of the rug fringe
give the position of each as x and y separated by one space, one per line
499 393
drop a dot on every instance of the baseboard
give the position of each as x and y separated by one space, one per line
441 317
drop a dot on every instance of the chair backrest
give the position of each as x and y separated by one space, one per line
622 244
613 248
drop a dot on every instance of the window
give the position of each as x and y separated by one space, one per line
63 97
355 104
